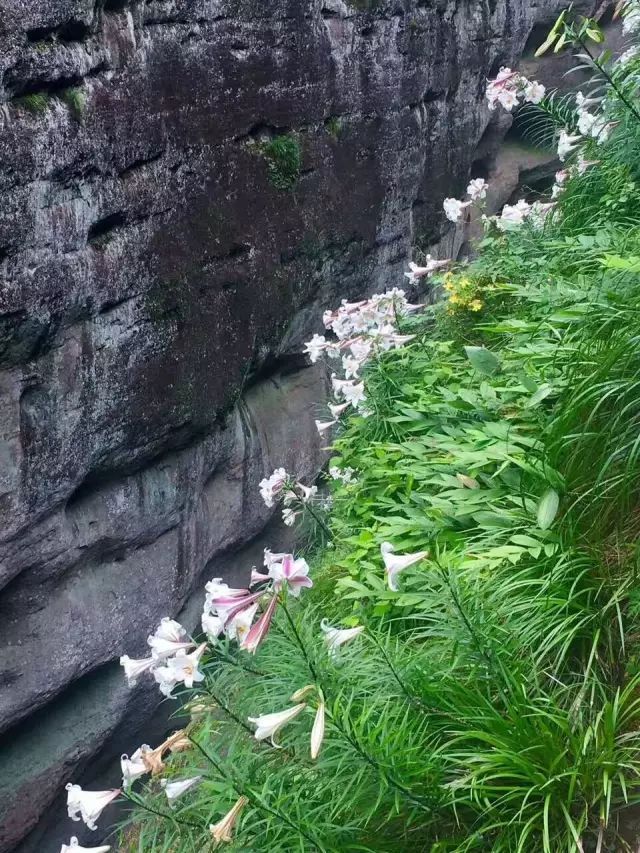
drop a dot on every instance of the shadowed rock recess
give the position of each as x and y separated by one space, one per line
183 185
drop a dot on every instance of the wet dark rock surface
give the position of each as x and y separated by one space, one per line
184 184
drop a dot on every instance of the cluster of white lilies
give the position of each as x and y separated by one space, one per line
175 659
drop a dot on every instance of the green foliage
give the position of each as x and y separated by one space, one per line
334 126
284 160
36 103
76 100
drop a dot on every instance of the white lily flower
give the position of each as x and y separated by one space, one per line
354 393
238 627
396 563
323 426
134 668
306 493
162 649
534 92
212 625
477 189
181 668
88 805
173 790
317 732
315 347
222 830
336 637
133 768
453 208
74 847
513 215
270 487
337 410
270 558
566 144
294 573
268 725
169 629
351 367
361 349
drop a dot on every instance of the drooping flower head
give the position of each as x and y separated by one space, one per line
88 805
396 563
268 725
221 831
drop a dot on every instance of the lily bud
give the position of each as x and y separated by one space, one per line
317 732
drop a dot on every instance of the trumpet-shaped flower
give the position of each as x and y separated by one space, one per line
74 847
88 805
453 208
216 589
162 649
477 189
173 790
294 573
260 628
396 563
306 493
169 629
270 487
315 347
566 144
181 668
337 409
212 625
221 831
238 627
336 637
152 758
534 92
351 367
268 725
324 426
513 215
360 349
134 668
317 732
133 768
168 638
354 393
270 557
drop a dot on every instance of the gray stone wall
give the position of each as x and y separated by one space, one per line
183 185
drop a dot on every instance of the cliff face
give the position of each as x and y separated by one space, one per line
183 183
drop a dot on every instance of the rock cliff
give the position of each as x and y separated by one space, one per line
183 185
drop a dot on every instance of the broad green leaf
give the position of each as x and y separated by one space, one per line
541 394
483 360
548 509
617 262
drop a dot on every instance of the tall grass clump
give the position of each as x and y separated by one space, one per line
458 668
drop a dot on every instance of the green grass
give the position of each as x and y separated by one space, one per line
36 103
284 160
76 99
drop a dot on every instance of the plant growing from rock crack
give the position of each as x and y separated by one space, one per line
36 103
284 160
76 99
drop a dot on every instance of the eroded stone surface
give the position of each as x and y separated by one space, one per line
151 263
